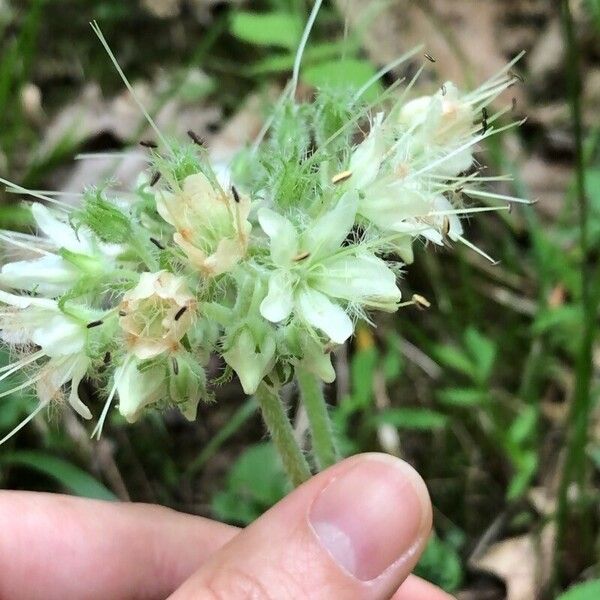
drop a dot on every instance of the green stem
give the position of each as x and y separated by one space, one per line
574 470
282 434
323 440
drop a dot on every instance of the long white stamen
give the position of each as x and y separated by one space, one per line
105 155
97 432
8 370
18 244
465 211
24 422
476 249
385 70
492 80
481 194
17 189
23 385
98 32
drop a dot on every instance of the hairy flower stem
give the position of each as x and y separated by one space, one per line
282 434
323 440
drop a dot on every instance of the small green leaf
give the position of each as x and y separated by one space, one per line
441 564
455 359
278 29
590 590
462 397
344 73
72 478
413 418
482 351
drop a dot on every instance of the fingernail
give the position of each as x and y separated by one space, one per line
370 516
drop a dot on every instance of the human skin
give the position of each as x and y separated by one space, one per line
355 530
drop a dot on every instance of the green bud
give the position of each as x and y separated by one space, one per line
104 218
187 383
251 358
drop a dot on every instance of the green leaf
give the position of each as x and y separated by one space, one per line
278 29
590 590
482 351
422 419
362 371
440 564
72 478
276 63
256 482
526 469
345 73
462 397
455 359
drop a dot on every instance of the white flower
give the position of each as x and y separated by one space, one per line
52 274
313 272
439 124
211 226
138 389
61 338
393 195
156 314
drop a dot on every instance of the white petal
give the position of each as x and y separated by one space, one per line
59 232
283 235
27 301
278 302
320 312
366 158
50 275
364 278
326 234
59 336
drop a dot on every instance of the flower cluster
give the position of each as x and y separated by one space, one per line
269 267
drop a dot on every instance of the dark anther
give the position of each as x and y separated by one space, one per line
236 196
94 324
155 178
122 313
148 144
180 313
195 138
175 366
430 58
158 244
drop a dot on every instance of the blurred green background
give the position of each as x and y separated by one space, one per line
492 393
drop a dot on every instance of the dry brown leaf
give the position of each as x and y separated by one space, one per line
522 563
